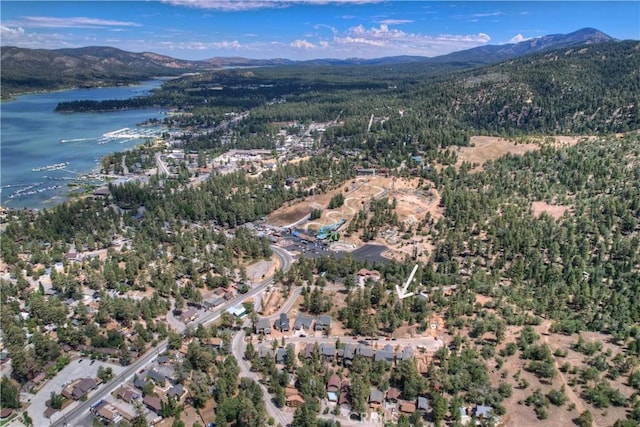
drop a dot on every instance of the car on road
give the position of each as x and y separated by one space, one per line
80 361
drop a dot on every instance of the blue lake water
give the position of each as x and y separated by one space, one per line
31 135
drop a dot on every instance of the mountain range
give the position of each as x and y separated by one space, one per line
27 70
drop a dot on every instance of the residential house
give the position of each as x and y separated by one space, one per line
348 353
484 412
212 303
281 356
364 275
328 351
107 412
407 407
213 342
79 388
424 405
464 416
139 382
323 323
293 398
384 355
263 326
189 316
308 350
333 388
177 391
303 322
264 351
282 323
393 394
153 403
365 351
127 394
157 377
376 397
344 398
407 353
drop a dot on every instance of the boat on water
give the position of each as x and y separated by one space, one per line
55 166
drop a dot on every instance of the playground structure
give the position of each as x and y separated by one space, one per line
329 232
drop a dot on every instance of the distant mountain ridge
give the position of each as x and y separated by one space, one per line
27 70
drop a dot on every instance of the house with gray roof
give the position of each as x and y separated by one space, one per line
283 323
384 355
328 351
263 326
157 377
176 391
407 353
281 355
303 321
323 323
264 351
349 352
365 351
483 411
424 404
376 397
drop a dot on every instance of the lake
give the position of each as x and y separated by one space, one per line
42 152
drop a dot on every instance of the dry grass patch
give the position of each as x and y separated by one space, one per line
555 211
485 148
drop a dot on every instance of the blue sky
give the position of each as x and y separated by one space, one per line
302 29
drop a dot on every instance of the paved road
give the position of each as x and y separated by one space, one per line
73 414
238 347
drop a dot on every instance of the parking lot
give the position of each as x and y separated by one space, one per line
79 368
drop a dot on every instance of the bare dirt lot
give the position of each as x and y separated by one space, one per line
520 415
413 205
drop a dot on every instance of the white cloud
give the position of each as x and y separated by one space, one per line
518 38
302 44
11 32
484 15
73 22
396 21
241 5
396 42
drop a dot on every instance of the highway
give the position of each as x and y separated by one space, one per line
75 412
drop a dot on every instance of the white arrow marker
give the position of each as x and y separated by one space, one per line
402 292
